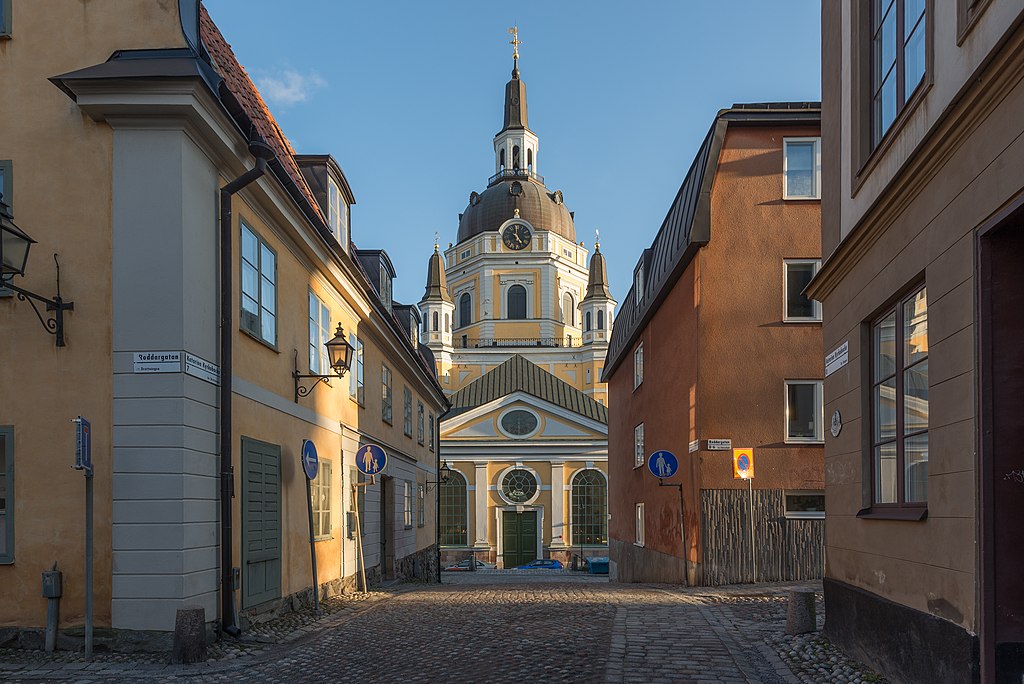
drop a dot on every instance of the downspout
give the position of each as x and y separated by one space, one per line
437 496
263 153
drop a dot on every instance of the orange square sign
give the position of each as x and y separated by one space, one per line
743 464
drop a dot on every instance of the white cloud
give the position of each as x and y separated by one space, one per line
289 87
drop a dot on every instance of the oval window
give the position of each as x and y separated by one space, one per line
519 422
519 486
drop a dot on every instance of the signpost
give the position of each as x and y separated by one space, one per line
664 464
311 466
83 461
743 469
371 459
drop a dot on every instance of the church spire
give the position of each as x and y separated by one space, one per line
437 283
515 90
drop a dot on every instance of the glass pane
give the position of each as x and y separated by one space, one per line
885 347
267 295
314 353
268 263
888 104
915 328
912 11
797 278
800 169
250 306
880 8
885 410
885 473
800 411
915 398
267 329
884 50
249 280
915 478
805 503
250 246
913 59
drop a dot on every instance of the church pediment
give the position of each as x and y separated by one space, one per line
522 416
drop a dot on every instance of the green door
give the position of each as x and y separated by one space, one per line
261 522
519 537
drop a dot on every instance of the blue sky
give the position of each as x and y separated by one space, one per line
407 96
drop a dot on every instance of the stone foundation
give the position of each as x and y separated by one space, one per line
421 565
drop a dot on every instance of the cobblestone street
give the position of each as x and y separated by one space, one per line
493 627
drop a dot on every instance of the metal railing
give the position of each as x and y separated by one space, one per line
484 342
516 173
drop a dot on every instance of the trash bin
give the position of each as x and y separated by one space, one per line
599 565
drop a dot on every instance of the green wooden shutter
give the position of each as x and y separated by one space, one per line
261 522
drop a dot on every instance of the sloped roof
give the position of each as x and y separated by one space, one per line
241 86
520 375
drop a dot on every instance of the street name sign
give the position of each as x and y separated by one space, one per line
199 367
310 460
663 464
371 459
838 358
157 362
83 444
719 444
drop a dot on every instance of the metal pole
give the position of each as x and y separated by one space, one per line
312 546
359 537
753 551
88 563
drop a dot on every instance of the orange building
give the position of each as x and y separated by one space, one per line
715 348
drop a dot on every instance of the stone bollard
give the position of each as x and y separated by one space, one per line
800 617
189 636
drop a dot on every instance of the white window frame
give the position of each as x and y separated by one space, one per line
421 504
430 422
319 334
640 531
786 142
320 490
407 504
638 446
337 212
638 365
386 395
819 410
260 276
419 422
356 389
407 410
815 316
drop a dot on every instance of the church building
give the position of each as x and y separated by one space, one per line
518 315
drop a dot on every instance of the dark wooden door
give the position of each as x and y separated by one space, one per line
519 537
261 522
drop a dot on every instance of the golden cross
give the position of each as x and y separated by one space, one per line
515 42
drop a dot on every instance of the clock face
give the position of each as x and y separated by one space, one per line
516 236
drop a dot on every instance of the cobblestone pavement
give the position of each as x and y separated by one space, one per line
544 629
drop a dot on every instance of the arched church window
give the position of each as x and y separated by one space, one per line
454 511
465 310
589 508
501 159
515 157
529 159
600 319
436 317
568 310
586 318
516 302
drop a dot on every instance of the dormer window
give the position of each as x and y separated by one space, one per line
385 287
638 283
337 213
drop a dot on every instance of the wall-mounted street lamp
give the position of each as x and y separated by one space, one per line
444 475
339 355
14 247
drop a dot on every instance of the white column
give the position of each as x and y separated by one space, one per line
482 492
559 530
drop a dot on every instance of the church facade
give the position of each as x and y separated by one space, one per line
518 315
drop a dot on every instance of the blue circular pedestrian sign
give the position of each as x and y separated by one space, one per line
663 464
371 459
310 461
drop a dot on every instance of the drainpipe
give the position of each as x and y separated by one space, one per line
263 154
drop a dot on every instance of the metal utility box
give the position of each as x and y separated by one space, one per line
52 583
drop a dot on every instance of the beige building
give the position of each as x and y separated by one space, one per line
921 288
196 343
518 311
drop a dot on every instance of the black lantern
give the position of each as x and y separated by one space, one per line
339 355
14 246
446 472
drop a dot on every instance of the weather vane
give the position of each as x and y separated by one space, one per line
437 239
515 42
597 237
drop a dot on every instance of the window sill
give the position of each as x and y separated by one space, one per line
802 320
408 527
804 442
895 127
640 544
915 514
253 336
324 537
800 199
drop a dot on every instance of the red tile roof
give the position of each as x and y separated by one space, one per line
241 86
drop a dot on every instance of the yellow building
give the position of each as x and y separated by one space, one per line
209 265
518 319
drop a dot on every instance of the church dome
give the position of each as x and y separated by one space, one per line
542 208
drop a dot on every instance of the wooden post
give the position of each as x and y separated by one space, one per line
359 536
